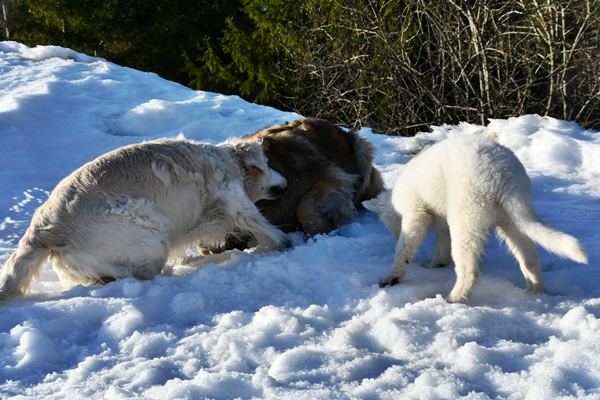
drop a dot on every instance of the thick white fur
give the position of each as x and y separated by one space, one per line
126 212
462 188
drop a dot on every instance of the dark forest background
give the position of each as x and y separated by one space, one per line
396 66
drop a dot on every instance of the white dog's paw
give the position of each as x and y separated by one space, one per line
276 241
388 280
437 263
457 298
282 242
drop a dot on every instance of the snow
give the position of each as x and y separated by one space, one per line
306 323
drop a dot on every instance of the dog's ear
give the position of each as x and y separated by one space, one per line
380 203
372 205
169 171
254 173
250 154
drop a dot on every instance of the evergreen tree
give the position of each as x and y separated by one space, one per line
255 42
150 35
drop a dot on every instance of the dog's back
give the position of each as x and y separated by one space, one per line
463 168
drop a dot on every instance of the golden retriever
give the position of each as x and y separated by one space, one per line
125 213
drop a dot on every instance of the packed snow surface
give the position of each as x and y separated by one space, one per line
307 323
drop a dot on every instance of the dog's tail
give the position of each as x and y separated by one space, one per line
557 242
22 266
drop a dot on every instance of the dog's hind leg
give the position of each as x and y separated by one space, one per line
415 227
523 249
22 266
467 246
140 256
116 248
442 251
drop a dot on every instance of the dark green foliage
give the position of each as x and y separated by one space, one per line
248 56
396 66
150 35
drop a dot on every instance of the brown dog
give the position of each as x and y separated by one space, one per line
329 173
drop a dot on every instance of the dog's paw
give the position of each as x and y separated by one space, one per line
282 243
285 245
454 298
387 281
204 251
437 264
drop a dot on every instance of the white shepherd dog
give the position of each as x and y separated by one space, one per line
123 214
463 187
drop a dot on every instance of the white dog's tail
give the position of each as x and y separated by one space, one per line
22 266
551 239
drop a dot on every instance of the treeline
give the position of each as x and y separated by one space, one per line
396 66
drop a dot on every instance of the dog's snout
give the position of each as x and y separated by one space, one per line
272 187
276 192
277 180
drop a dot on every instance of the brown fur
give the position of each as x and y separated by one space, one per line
329 173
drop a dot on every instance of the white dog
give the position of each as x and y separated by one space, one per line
462 188
124 213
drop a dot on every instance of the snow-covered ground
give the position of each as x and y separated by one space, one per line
307 323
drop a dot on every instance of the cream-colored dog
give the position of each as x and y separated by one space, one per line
124 213
463 187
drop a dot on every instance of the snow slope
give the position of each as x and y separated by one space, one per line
306 323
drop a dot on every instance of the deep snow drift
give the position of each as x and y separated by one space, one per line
310 322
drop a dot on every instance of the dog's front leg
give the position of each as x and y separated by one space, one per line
414 229
251 222
233 241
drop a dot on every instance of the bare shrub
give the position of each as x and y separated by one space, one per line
402 66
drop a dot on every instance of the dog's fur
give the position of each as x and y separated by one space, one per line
124 213
329 172
462 188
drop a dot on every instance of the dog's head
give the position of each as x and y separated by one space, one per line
382 205
260 181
